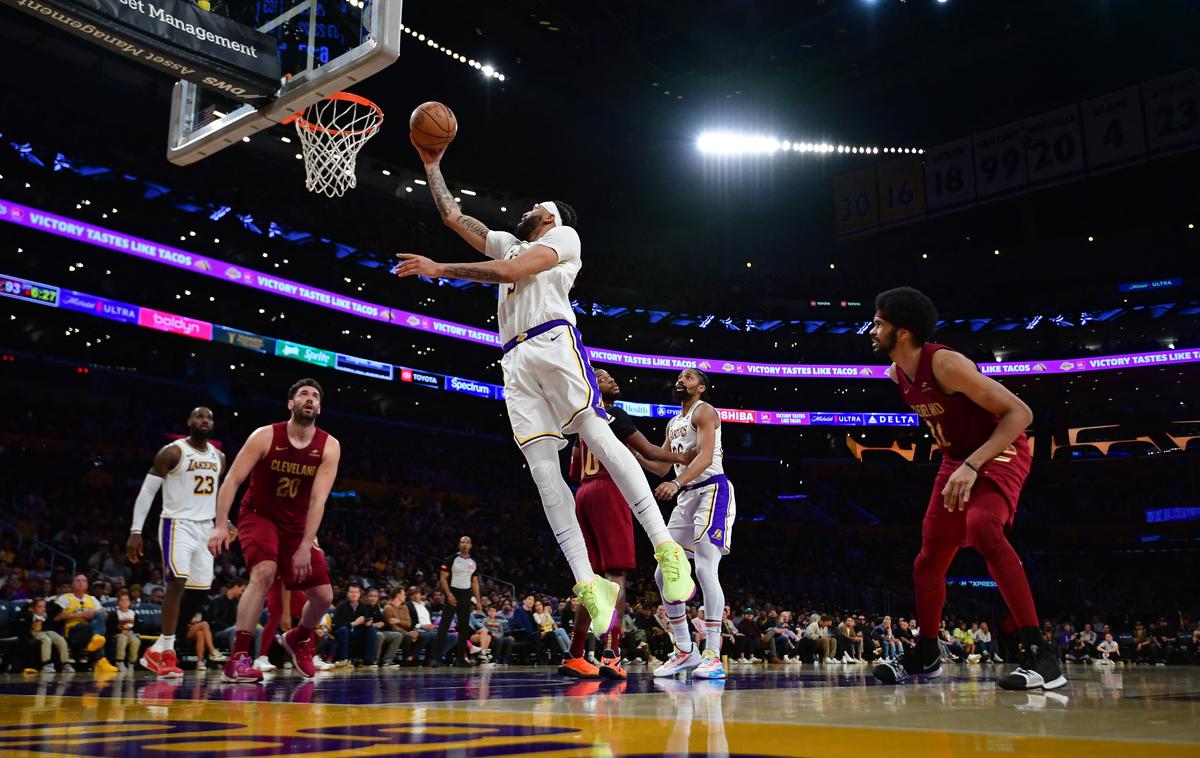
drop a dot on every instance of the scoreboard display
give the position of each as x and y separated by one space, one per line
24 289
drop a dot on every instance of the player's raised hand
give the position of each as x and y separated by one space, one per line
958 489
219 541
133 548
429 156
417 265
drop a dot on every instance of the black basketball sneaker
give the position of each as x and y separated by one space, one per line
1037 668
923 660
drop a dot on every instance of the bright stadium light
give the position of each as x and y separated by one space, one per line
731 143
736 143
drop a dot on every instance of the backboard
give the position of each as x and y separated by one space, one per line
325 46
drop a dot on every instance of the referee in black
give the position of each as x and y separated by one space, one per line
459 583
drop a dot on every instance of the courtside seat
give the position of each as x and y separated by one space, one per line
1132 449
882 456
1077 453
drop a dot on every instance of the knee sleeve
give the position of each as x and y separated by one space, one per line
708 560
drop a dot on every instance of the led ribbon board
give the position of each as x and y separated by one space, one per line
216 269
150 318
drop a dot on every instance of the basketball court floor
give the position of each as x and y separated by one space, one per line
786 710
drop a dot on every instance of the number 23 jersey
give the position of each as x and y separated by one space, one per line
190 489
281 483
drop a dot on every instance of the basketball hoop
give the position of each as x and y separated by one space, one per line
332 131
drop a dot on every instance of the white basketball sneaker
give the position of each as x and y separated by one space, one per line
263 663
710 666
679 661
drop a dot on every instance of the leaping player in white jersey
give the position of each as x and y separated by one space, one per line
703 519
189 471
549 386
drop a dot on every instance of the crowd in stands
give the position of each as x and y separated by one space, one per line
842 554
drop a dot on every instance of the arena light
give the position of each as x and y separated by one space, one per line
731 143
736 143
488 71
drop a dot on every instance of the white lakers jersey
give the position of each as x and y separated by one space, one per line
543 297
684 438
190 489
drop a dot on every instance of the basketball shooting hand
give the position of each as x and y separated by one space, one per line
417 265
958 489
429 156
133 548
302 563
219 541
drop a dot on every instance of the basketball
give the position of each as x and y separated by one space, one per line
432 125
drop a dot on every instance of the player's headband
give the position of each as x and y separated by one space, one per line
550 206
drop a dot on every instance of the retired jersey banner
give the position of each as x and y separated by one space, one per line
856 202
901 190
1000 160
1054 145
174 37
1114 131
1172 110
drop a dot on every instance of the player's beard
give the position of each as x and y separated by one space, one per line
527 226
680 394
886 343
300 417
200 434
612 396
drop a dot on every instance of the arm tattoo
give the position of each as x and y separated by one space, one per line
441 194
473 225
474 272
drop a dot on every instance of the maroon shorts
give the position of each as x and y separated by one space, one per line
266 540
1001 479
607 525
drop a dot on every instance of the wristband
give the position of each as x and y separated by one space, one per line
968 465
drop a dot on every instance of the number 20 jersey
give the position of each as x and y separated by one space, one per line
281 483
190 489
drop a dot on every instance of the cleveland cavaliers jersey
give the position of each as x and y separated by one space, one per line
959 425
281 483
190 489
682 435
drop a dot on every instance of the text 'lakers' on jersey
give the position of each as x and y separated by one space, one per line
544 296
281 483
190 489
682 435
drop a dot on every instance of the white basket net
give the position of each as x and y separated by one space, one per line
331 132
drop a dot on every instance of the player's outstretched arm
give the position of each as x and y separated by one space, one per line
472 230
638 443
706 421
656 465
256 448
533 261
166 459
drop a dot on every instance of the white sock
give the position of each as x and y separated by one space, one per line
627 475
559 505
165 642
677 614
708 559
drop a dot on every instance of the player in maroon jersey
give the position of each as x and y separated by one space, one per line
980 428
607 525
292 466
